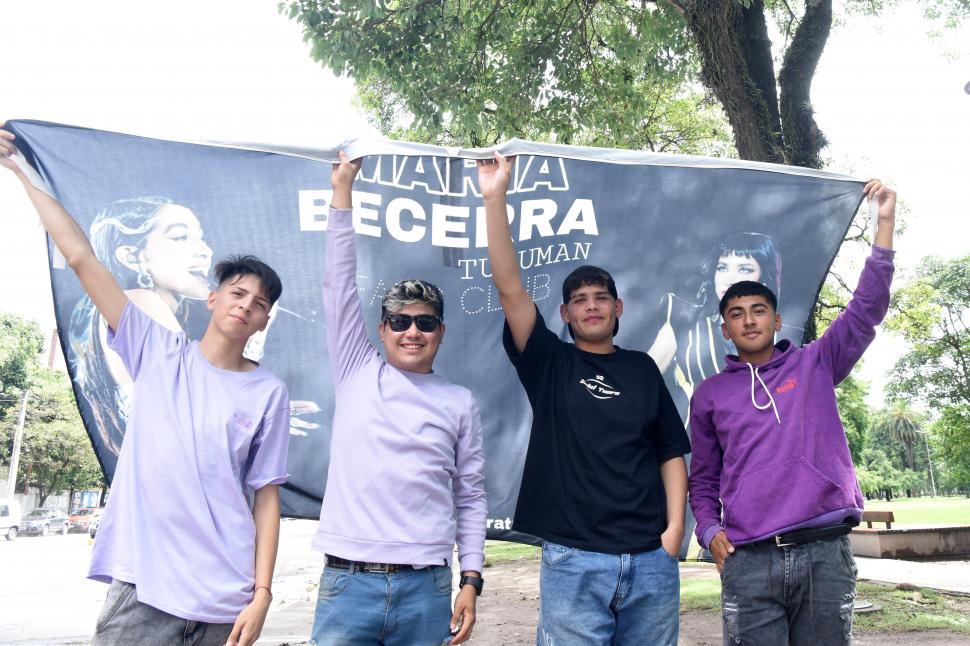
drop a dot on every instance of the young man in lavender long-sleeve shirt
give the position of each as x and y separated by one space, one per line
406 478
769 446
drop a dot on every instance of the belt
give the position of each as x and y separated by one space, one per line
361 566
809 534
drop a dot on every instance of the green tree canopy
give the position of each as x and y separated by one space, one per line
609 72
851 399
21 342
879 477
931 312
952 431
56 454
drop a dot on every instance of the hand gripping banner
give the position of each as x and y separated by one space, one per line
674 231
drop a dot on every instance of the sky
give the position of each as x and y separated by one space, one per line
889 98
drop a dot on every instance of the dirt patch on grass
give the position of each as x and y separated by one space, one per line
508 612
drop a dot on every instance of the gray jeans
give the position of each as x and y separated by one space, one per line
125 620
799 595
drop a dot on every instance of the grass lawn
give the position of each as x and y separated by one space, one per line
700 594
911 610
925 511
499 551
902 610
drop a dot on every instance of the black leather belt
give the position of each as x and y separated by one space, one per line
361 566
809 534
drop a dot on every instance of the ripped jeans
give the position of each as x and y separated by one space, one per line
796 595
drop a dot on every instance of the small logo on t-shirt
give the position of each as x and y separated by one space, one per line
598 388
788 385
242 420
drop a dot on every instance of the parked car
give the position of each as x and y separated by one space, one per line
9 518
45 520
82 518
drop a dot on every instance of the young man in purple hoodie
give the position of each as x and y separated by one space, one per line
406 477
769 446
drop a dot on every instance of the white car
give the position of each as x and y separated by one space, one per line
9 518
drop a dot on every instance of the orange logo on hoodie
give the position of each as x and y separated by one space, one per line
788 385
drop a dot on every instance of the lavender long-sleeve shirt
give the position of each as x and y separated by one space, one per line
406 475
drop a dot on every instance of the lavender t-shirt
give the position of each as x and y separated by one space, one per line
178 523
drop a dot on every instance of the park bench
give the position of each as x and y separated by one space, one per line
870 517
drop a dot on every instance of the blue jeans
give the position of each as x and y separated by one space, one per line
407 608
797 595
590 598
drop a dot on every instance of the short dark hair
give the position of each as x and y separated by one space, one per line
589 275
747 288
238 266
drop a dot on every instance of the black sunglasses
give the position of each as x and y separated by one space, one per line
402 322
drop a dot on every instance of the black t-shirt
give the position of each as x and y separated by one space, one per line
601 426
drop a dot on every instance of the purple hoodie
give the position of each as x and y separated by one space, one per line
767 439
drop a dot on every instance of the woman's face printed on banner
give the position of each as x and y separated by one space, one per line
733 269
175 254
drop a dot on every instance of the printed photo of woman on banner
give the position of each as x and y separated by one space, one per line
157 251
689 346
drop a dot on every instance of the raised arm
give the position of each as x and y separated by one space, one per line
70 240
886 219
850 334
347 340
520 311
664 346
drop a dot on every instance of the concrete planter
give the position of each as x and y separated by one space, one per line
911 542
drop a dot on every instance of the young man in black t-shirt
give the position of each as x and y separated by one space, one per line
605 482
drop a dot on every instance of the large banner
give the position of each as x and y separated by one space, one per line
675 232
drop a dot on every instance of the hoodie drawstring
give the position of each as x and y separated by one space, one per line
771 400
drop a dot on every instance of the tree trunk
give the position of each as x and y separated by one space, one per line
737 66
28 472
803 138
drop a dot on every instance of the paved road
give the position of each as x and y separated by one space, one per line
46 599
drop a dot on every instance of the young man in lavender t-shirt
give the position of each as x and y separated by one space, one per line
772 484
188 560
406 478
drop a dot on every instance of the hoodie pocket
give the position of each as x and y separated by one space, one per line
780 496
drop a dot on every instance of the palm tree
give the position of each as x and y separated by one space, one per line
905 425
